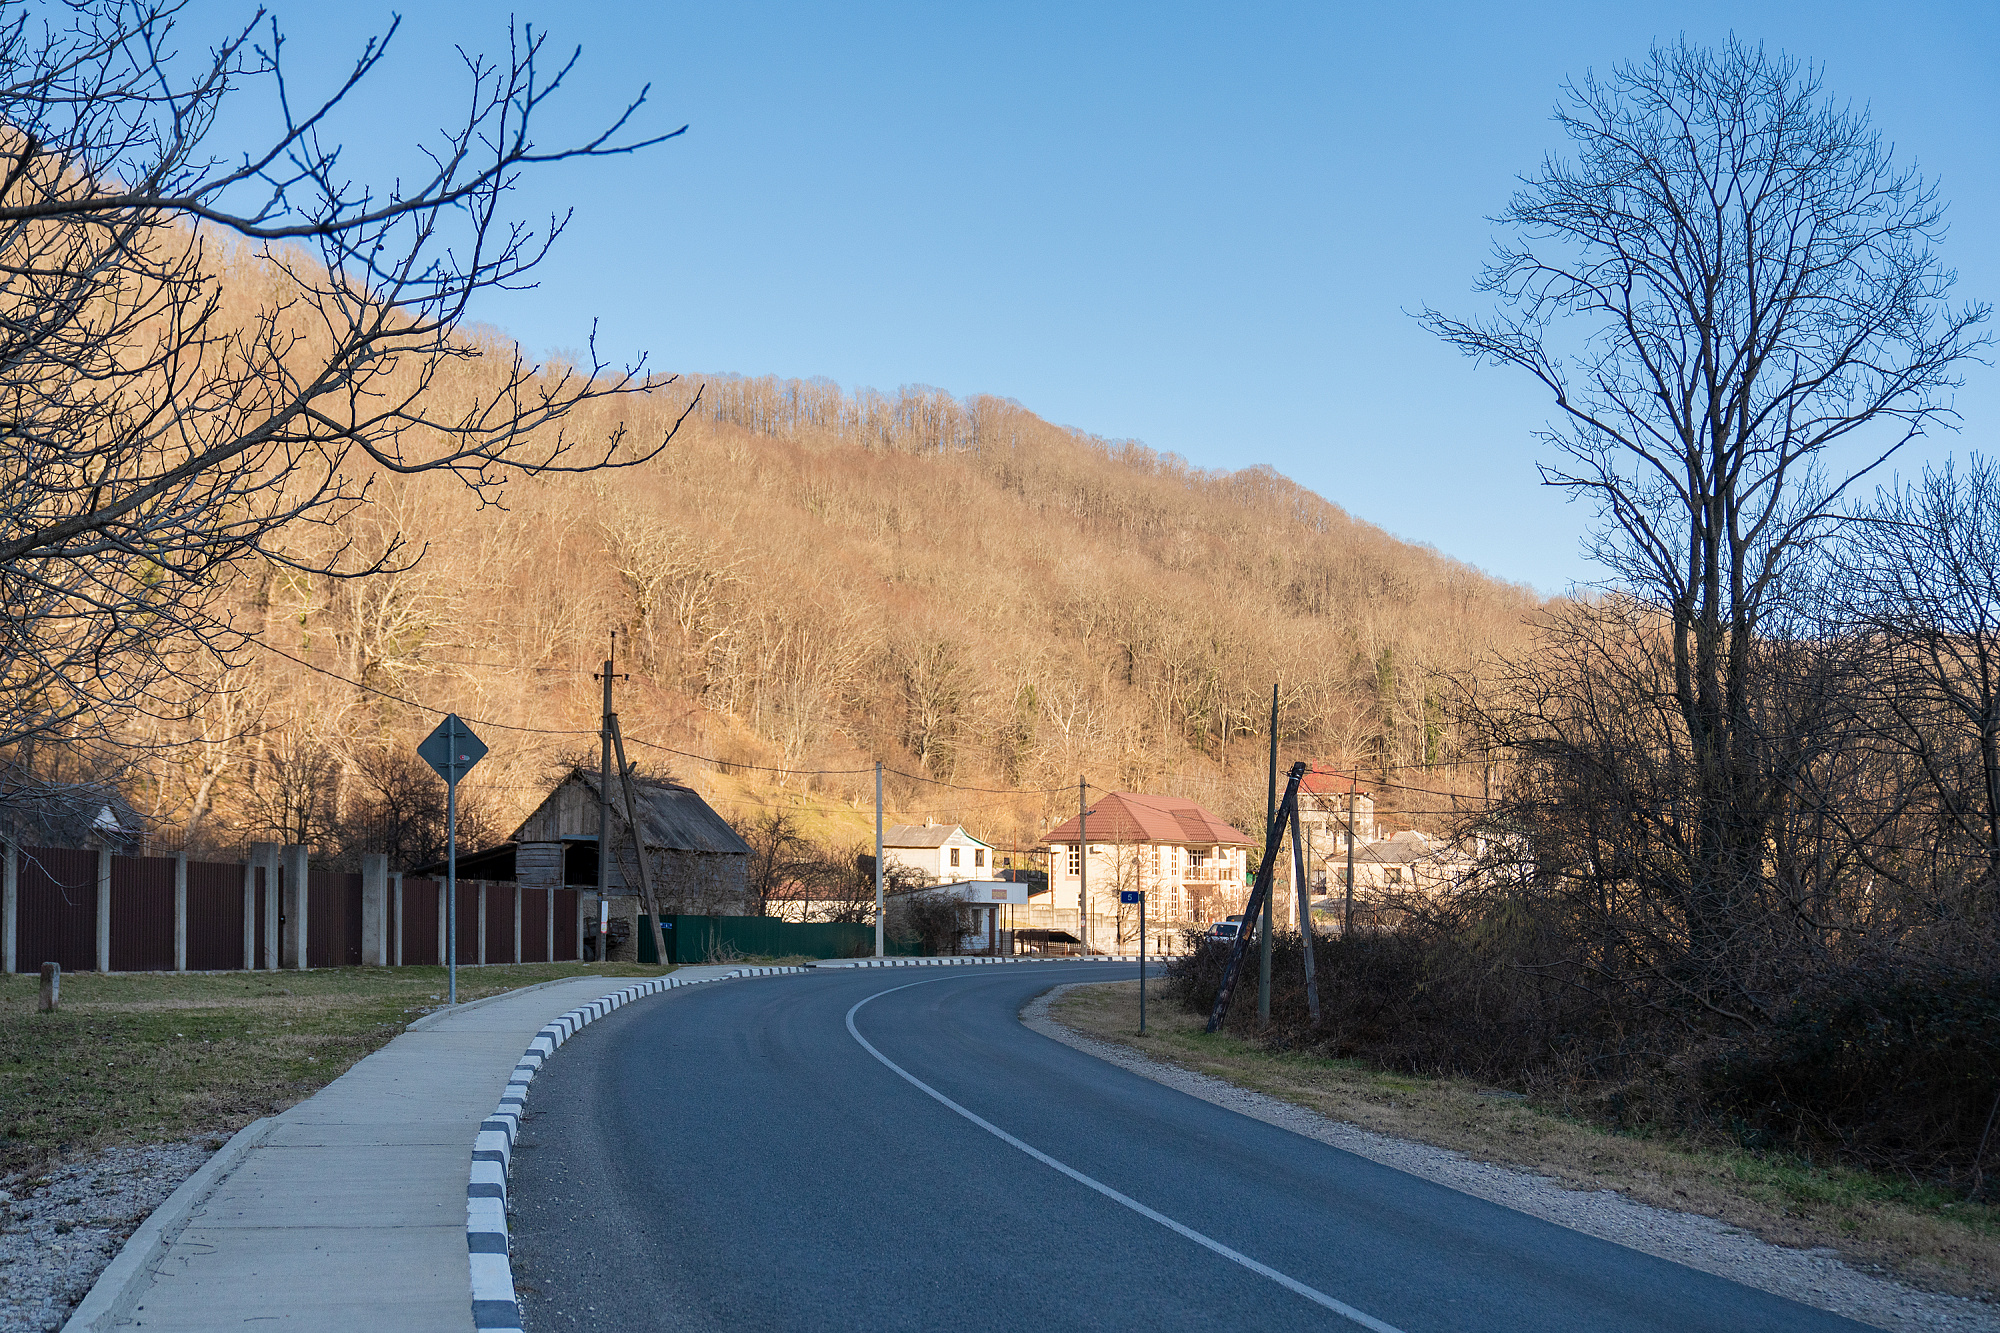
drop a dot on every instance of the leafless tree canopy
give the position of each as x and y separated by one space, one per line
1731 278
203 344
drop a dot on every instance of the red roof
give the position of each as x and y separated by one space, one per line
1128 817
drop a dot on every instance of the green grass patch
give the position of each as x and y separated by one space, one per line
145 1057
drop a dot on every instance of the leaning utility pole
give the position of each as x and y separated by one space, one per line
604 808
1259 895
647 899
1305 915
1271 835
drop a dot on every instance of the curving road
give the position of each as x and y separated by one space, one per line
891 1149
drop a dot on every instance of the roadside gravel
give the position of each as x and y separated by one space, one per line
61 1228
1812 1277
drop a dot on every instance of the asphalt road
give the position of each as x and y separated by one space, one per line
744 1155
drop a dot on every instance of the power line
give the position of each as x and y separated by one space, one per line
720 763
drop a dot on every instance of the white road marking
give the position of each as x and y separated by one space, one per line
1312 1294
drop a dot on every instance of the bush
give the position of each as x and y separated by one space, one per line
1889 1063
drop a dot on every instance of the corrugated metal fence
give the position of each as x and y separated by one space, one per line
702 939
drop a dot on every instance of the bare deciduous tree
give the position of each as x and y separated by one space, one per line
1732 278
169 407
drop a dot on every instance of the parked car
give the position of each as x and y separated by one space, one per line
1225 930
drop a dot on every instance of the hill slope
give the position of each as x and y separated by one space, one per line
807 580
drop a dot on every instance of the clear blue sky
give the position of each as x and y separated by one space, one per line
1195 225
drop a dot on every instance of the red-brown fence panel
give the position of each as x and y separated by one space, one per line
333 919
468 921
142 914
56 911
499 923
565 925
420 921
214 916
534 925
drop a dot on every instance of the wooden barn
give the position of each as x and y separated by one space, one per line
699 864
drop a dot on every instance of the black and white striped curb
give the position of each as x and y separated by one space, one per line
493 1305
960 962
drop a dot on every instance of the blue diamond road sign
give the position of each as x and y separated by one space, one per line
452 749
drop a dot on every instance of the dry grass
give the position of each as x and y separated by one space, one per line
1923 1234
137 1058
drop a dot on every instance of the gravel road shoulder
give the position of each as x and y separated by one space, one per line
62 1227
1811 1277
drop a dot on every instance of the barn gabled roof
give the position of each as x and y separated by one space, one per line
1129 817
672 817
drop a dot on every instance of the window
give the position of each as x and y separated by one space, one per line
1194 859
979 856
1075 862
954 856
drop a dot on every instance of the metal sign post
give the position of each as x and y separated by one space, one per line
1134 896
452 750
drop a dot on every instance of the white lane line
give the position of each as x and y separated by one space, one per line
1312 1294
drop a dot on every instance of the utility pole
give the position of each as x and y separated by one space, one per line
1270 836
648 899
1347 917
604 810
1305 915
1082 867
878 858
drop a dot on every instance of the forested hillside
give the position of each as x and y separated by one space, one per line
803 581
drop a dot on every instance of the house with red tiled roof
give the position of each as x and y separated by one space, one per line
1188 864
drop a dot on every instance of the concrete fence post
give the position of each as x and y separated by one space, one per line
517 923
103 909
444 933
375 910
181 913
250 914
396 913
292 875
549 938
482 921
10 908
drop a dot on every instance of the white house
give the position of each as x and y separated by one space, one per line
941 853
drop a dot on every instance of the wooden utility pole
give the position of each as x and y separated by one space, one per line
878 858
604 807
1347 917
646 898
1259 895
1271 836
1305 916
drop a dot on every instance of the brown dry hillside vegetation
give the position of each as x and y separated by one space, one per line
807 580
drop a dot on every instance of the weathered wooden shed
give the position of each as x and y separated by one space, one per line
699 863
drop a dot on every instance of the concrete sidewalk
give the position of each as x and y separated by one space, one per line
347 1211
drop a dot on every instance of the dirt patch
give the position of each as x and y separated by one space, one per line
1874 1226
152 1058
